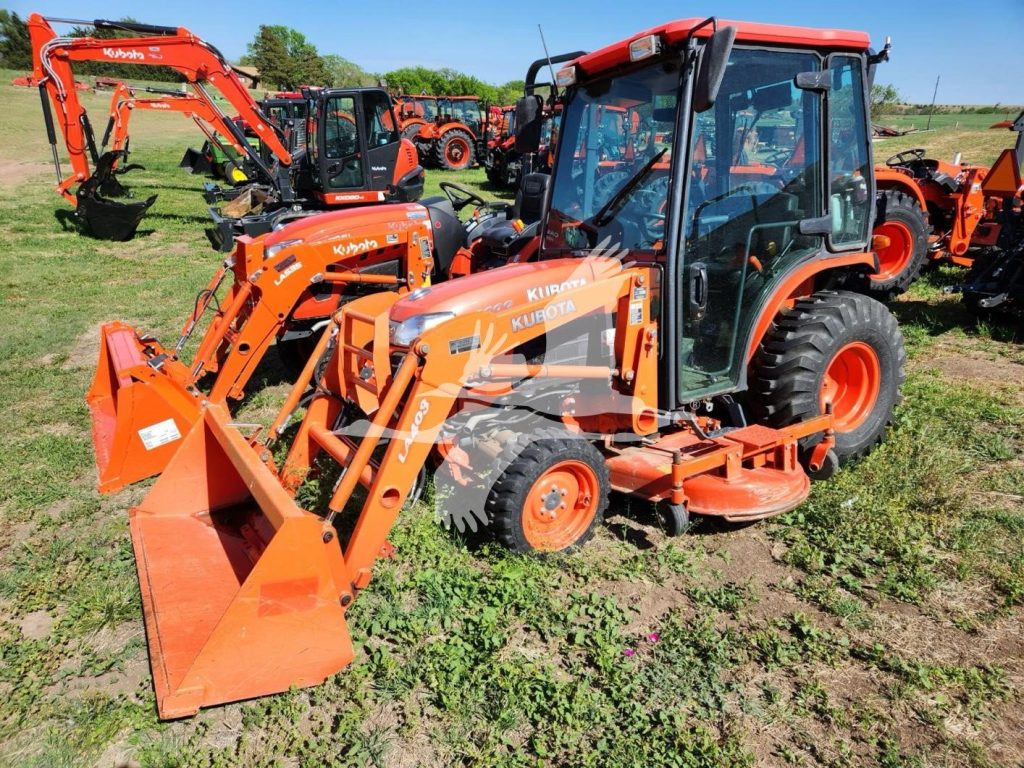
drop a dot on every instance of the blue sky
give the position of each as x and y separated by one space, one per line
972 50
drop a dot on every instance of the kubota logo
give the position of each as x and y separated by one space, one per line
552 289
550 312
158 105
414 430
115 53
353 248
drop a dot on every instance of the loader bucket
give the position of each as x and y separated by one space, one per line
243 592
140 408
195 161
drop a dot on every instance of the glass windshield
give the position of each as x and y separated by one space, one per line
614 157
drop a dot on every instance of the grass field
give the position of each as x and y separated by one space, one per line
877 625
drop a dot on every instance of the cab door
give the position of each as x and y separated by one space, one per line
755 173
382 137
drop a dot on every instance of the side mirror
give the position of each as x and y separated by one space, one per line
528 124
712 68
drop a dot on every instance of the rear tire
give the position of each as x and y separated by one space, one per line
900 219
454 150
838 346
551 498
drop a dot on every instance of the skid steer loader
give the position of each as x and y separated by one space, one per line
281 289
676 337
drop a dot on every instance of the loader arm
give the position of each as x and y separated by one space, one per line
199 62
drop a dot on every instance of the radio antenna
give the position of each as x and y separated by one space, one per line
551 67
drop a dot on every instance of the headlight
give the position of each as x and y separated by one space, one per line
276 248
407 331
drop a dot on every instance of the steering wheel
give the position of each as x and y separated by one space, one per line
459 196
906 157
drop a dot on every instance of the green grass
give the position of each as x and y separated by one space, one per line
878 624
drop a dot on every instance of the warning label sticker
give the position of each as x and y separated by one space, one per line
636 312
158 434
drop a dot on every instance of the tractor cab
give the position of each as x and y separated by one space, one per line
288 111
357 145
461 109
710 158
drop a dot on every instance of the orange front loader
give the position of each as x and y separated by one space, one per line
278 289
682 347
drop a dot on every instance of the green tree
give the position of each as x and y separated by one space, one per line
285 58
15 48
884 98
343 73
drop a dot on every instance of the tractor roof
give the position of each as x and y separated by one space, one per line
675 32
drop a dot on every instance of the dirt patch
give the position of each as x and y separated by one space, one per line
85 351
991 372
14 173
37 625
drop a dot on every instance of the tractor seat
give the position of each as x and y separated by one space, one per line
449 234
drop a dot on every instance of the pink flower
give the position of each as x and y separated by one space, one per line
628 652
653 637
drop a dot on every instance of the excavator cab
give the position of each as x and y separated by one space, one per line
358 147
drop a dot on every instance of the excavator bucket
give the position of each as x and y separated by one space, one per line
195 161
243 592
139 412
108 219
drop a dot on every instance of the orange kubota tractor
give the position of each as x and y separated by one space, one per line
447 130
353 162
931 210
675 338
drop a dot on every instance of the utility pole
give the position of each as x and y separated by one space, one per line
932 109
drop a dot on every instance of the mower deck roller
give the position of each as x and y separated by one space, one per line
244 594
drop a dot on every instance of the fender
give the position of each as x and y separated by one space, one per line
890 178
798 284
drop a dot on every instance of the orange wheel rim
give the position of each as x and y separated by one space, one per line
560 506
456 151
895 257
851 384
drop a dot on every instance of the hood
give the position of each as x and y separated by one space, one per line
354 224
505 287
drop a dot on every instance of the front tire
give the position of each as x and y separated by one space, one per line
833 347
900 219
454 151
551 498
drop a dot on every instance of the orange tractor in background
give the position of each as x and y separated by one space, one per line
448 131
504 163
675 336
934 211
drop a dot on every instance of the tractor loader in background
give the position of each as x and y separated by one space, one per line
359 157
280 289
675 336
995 281
937 211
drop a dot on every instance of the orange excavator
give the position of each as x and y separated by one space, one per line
124 101
353 163
676 338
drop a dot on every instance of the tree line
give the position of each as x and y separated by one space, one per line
285 59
